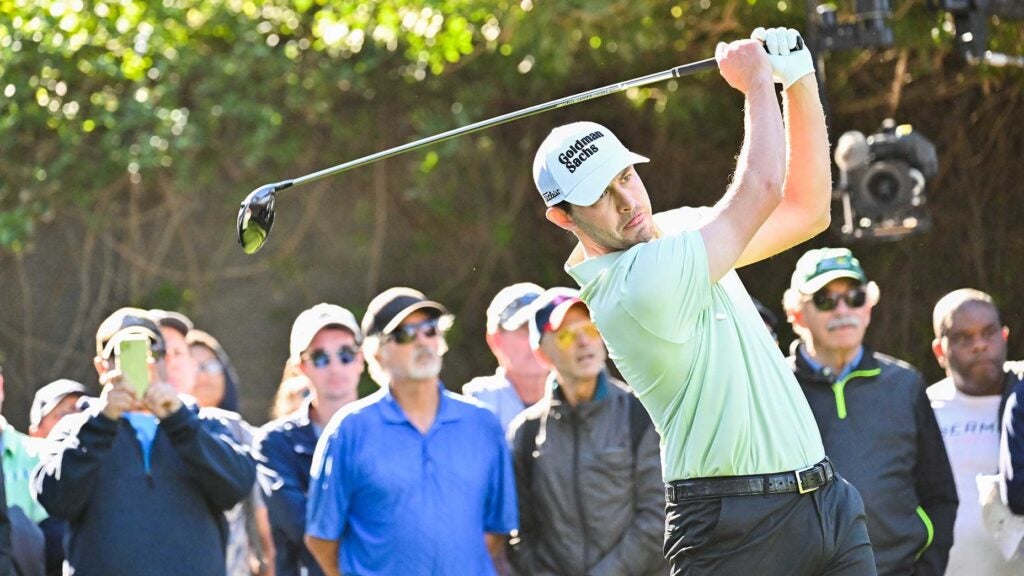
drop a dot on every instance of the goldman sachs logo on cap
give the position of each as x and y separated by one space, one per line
579 151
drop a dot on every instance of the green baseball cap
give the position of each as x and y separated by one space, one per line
820 266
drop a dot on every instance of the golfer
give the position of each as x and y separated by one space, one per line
748 487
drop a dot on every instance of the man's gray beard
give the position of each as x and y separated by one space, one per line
425 370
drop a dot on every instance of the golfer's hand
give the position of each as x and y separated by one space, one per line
790 58
744 65
162 399
118 395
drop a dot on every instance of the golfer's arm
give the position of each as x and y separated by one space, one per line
326 554
807 193
756 189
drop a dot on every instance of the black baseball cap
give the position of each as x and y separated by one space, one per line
387 310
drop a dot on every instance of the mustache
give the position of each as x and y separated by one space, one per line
843 322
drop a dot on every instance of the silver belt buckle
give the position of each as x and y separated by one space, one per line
800 483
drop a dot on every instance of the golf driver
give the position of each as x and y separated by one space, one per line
256 215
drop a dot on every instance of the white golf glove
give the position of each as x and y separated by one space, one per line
790 58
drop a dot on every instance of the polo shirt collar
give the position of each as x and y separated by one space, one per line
819 368
583 270
302 417
447 409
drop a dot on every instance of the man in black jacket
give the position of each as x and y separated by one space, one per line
874 416
588 467
142 481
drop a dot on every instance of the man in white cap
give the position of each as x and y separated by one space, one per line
519 380
51 403
749 487
414 479
325 345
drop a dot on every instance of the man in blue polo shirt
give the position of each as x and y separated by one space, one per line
749 487
414 479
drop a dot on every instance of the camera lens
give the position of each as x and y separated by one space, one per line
884 187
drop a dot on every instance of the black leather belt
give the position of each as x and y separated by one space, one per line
803 481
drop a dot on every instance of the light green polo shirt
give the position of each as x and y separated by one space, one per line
698 357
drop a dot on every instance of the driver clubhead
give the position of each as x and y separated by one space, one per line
256 217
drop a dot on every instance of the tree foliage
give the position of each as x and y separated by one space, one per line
130 129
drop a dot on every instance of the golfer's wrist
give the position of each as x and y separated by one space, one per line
806 85
760 88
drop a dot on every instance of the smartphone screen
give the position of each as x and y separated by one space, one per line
133 361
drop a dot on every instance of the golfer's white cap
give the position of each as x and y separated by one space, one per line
576 162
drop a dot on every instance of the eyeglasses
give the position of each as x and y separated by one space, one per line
321 358
566 337
826 302
408 332
211 367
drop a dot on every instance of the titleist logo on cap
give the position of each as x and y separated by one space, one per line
575 155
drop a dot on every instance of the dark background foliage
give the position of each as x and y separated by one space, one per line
129 132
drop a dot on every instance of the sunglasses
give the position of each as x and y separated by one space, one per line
826 302
321 358
566 337
407 333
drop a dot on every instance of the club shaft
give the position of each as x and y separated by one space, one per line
677 72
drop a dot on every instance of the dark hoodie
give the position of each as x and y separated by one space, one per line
878 428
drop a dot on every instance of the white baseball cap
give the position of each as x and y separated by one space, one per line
315 319
509 309
577 161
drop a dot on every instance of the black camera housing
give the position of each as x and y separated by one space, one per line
869 28
882 182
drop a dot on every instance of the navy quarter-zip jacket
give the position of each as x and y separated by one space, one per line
879 429
126 520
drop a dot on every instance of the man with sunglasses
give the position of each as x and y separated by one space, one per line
414 479
325 346
519 380
142 478
588 467
873 414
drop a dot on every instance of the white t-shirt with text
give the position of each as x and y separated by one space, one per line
970 430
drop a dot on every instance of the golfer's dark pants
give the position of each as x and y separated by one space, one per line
790 534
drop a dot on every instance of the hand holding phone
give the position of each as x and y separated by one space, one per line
133 362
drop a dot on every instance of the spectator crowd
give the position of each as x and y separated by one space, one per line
548 466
